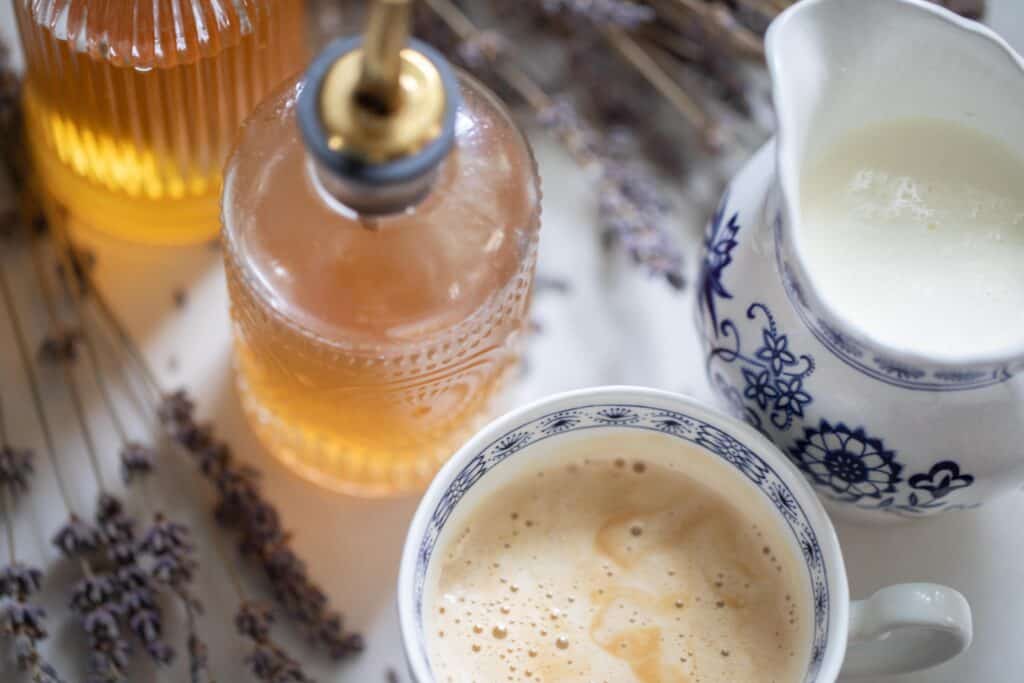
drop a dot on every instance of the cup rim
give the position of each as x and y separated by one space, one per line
838 589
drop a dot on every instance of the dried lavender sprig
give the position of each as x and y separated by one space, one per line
716 22
139 584
241 506
630 208
712 134
266 661
119 598
77 536
21 620
95 602
95 596
171 568
117 594
622 13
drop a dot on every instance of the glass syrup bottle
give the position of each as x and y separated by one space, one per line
380 228
132 105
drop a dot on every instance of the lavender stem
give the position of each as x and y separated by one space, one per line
33 383
69 376
3 425
7 509
63 248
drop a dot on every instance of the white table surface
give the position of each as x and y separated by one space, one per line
614 326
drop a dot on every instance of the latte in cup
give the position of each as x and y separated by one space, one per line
598 565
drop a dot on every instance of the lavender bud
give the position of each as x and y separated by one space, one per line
137 461
76 538
16 468
101 624
60 348
91 593
176 409
253 621
19 581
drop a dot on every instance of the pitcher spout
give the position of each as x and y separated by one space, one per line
842 66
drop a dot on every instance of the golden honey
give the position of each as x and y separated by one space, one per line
132 106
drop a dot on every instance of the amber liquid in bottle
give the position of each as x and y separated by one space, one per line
368 349
132 105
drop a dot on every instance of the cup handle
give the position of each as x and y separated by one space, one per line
906 627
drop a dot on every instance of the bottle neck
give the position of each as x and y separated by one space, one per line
364 199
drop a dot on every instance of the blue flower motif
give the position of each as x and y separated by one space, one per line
671 423
759 387
784 501
511 443
847 461
775 351
791 396
941 480
560 422
809 546
616 415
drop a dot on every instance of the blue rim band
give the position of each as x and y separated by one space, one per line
348 165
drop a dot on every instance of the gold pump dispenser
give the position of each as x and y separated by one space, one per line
377 113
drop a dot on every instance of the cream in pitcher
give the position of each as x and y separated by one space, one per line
915 226
863 287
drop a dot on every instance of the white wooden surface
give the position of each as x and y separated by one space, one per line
614 326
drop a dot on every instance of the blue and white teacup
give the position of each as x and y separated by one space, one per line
899 629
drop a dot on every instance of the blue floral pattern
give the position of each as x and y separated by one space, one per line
773 374
941 480
719 242
847 461
672 423
846 464
560 422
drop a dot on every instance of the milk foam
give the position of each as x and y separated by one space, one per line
914 231
611 568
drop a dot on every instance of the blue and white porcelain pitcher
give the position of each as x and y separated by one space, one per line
881 430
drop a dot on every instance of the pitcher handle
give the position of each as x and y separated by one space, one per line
906 627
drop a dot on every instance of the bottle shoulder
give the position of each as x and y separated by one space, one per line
400 276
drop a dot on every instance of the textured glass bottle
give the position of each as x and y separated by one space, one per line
132 105
368 344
